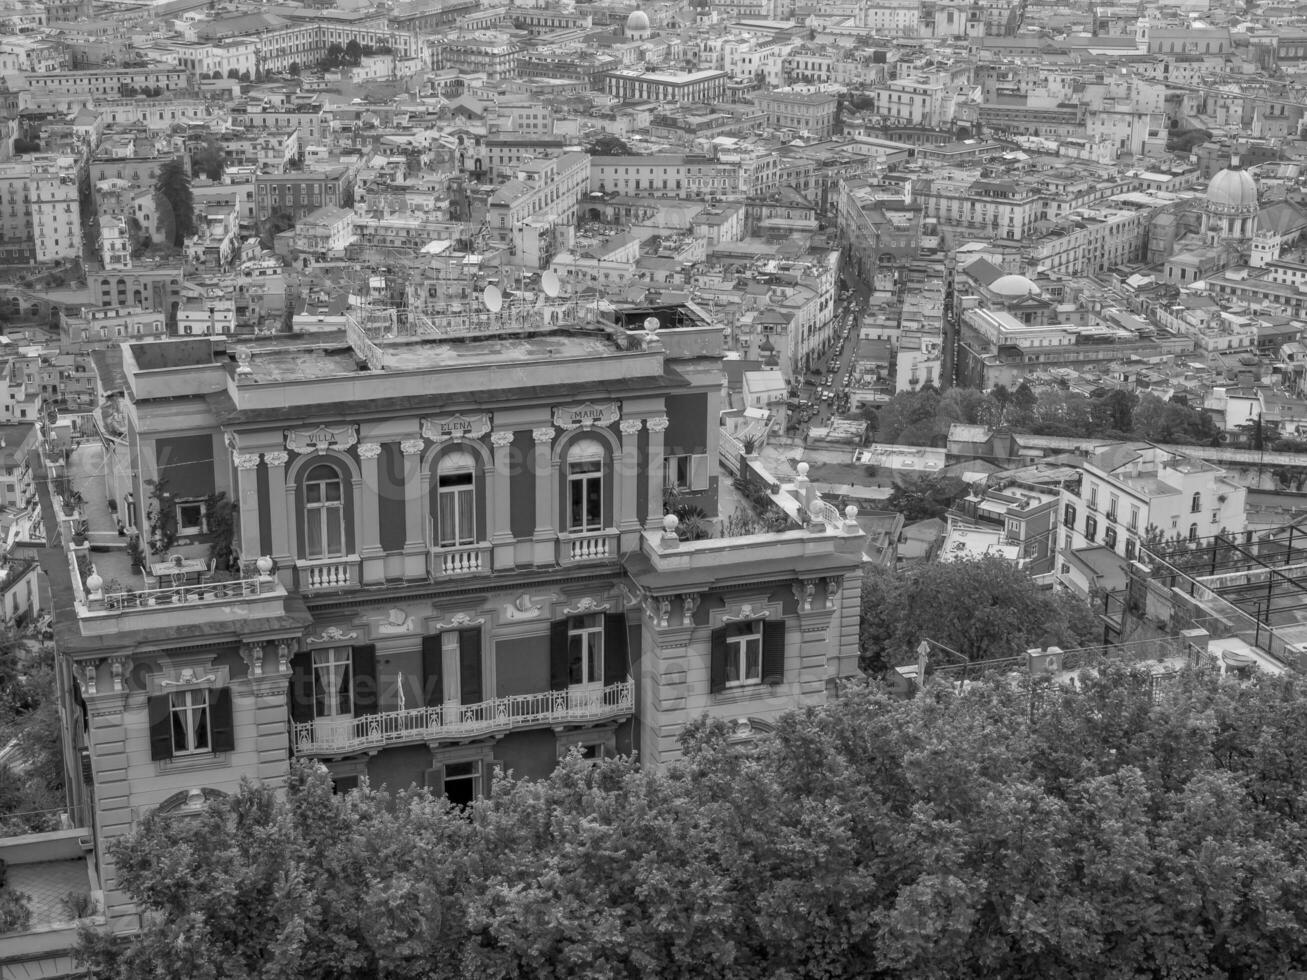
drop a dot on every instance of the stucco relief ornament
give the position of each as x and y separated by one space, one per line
659 609
333 634
188 676
832 592
501 440
284 651
321 439
461 620
658 424
570 417
397 621
246 461
804 592
411 447
747 612
86 673
630 427
252 654
444 428
689 603
545 434
526 606
586 605
369 450
276 459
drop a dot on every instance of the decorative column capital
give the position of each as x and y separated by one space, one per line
501 439
543 435
833 586
689 603
276 459
369 450
804 591
246 461
411 447
630 427
658 424
252 654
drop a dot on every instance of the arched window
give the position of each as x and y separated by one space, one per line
324 514
456 499
585 486
1193 532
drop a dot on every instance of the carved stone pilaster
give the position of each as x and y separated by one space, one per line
411 447
501 439
658 424
252 654
689 603
369 450
246 461
277 458
630 427
543 435
804 593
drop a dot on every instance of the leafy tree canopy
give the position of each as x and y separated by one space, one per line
609 145
1011 832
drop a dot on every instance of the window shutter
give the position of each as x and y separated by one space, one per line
773 652
433 679
717 667
469 667
699 471
558 673
222 728
365 680
301 688
160 727
616 659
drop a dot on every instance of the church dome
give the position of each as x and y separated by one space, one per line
1013 287
637 22
1232 190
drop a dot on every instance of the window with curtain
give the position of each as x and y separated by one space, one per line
456 499
190 722
332 688
585 486
324 514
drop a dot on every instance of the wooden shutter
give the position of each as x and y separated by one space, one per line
717 666
222 728
301 687
773 652
365 680
558 673
160 726
699 471
469 667
433 671
616 662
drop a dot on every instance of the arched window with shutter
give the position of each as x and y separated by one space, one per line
456 499
585 486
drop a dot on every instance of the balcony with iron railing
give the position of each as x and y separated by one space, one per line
497 716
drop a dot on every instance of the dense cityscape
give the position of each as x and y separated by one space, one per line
722 488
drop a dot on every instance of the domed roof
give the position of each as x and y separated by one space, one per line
1232 189
638 21
1013 287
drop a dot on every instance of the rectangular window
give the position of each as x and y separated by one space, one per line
1134 518
585 491
1130 547
1112 503
1091 528
1196 504
585 650
457 509
190 722
190 517
676 472
332 683
324 519
462 781
1109 537
744 656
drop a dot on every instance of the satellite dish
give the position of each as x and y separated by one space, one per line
651 324
493 299
549 283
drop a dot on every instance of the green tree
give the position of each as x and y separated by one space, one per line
1172 422
910 418
608 145
294 68
335 53
173 188
209 159
923 497
233 73
982 608
353 52
1113 412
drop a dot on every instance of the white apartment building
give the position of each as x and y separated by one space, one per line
550 187
1128 488
56 212
115 243
203 58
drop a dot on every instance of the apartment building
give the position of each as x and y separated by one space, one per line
98 328
109 81
808 112
203 59
1129 488
40 214
441 573
311 121
300 192
550 187
636 85
490 53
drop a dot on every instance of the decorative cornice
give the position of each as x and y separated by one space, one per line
321 439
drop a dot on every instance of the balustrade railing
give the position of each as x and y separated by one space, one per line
572 705
322 574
